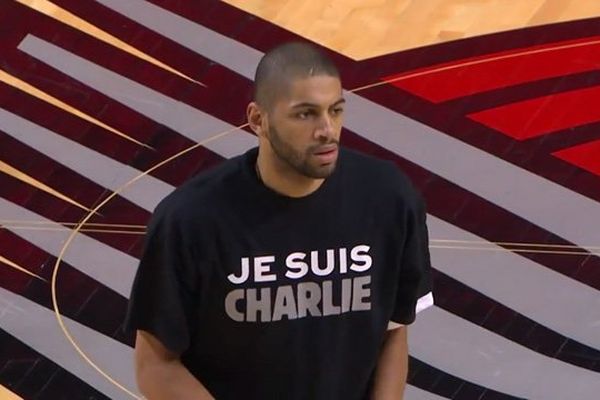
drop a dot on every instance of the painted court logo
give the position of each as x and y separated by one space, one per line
305 298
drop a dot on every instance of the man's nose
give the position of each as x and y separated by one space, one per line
325 128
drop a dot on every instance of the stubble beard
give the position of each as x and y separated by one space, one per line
298 161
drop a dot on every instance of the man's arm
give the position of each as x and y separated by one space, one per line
392 366
160 373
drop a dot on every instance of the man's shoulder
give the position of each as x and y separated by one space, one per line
204 191
374 171
381 179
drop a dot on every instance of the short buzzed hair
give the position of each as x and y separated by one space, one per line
289 61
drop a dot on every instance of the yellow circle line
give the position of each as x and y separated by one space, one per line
141 229
78 228
513 250
9 222
433 243
516 244
58 229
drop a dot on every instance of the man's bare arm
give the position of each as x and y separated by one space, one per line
161 375
392 366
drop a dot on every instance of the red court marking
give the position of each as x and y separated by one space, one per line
535 117
585 156
499 70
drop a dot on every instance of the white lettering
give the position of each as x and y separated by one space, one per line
244 273
230 305
294 262
285 304
314 263
362 260
361 293
299 301
261 269
343 261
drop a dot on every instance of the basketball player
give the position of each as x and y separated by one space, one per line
288 272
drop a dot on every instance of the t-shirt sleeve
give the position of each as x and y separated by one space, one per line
162 296
414 292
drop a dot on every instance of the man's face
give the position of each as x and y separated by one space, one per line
304 125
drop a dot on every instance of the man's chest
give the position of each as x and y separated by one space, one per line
287 269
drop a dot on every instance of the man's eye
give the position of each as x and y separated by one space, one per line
337 111
304 114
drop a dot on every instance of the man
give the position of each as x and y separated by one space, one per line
289 272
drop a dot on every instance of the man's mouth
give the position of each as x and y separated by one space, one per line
327 153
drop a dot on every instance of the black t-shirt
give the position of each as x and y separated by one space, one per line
271 297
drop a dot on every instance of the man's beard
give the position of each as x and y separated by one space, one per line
298 161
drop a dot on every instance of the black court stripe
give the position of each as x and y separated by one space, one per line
436 381
459 299
30 375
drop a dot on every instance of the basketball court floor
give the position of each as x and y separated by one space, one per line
490 106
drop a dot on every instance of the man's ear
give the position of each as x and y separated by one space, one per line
256 119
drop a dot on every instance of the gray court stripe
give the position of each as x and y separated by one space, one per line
182 118
104 171
36 326
484 358
539 293
101 262
212 45
532 197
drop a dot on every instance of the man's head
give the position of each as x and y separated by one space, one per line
297 109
